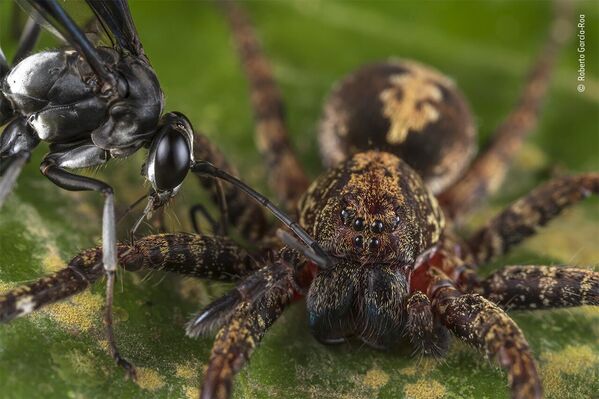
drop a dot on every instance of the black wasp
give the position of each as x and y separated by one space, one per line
93 104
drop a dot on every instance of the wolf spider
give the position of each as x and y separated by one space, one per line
399 139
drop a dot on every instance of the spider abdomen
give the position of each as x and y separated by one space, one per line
405 108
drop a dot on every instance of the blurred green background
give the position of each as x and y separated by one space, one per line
486 47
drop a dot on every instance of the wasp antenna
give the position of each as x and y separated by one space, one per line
308 252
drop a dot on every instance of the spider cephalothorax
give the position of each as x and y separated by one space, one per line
374 214
372 208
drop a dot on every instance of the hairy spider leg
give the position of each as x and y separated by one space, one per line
248 316
247 311
542 287
215 258
423 329
488 170
525 216
482 324
286 176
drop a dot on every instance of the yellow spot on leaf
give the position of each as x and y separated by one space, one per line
572 360
104 345
376 378
6 286
38 231
186 371
423 368
83 363
80 312
424 389
52 262
149 379
191 392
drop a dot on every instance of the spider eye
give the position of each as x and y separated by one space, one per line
171 159
377 226
358 242
346 216
374 244
359 224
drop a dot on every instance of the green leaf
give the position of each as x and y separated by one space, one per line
485 47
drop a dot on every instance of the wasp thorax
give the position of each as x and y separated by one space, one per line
405 108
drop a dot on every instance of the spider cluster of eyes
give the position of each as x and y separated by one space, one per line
358 224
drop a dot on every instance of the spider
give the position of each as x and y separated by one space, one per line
400 271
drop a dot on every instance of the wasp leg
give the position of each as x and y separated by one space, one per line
18 138
248 313
76 38
424 332
286 176
14 165
27 41
3 65
16 143
489 169
482 324
523 218
542 287
82 156
240 211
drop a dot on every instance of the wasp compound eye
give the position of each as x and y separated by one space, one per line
170 160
